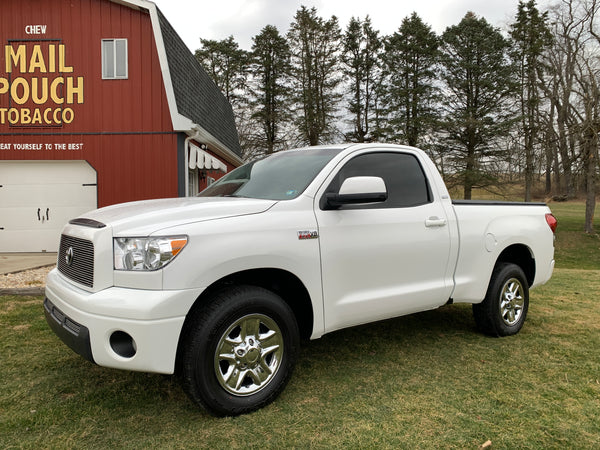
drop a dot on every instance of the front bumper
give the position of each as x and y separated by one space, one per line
75 335
96 325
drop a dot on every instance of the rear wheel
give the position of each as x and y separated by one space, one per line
239 351
504 309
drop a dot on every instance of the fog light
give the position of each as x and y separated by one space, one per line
123 344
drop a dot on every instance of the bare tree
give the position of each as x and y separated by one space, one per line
590 95
568 31
574 93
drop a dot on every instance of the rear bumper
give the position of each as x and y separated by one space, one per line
545 276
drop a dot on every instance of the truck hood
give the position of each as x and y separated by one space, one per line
146 217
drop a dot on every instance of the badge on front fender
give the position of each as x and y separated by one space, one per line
303 235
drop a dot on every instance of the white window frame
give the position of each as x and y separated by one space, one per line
114 75
193 185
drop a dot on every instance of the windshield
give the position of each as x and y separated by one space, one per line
282 176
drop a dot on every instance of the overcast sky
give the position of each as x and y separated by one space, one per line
195 19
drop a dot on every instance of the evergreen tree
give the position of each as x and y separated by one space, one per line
315 44
477 78
530 37
362 47
270 70
227 65
410 59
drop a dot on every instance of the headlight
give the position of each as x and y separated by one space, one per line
146 253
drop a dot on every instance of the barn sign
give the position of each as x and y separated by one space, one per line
40 85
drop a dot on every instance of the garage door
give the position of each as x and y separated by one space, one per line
37 198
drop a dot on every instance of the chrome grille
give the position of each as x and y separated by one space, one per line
79 266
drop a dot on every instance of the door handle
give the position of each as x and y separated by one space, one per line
47 213
435 221
39 218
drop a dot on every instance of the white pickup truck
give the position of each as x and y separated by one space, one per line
221 287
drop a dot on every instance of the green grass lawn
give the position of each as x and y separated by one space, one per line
428 380
574 248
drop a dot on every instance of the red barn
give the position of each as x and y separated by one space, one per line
101 102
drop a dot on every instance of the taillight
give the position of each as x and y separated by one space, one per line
552 222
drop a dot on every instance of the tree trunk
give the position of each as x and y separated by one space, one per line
468 183
563 147
528 170
590 161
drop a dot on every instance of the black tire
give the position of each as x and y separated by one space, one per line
504 309
239 351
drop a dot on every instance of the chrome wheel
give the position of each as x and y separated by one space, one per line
504 308
249 354
238 350
512 301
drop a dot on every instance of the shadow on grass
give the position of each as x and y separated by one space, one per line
98 389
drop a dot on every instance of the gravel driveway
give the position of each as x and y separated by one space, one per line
35 278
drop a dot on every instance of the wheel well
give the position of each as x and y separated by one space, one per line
521 256
283 283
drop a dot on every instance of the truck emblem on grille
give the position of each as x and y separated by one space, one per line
69 256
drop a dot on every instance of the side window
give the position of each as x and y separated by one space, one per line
403 175
114 59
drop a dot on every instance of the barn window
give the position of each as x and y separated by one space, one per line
114 59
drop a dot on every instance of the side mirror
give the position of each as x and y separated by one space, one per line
358 190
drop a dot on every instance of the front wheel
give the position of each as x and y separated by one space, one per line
239 351
504 309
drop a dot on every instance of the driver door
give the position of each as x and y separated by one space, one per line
383 259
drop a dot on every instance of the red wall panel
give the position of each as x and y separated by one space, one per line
124 126
130 167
